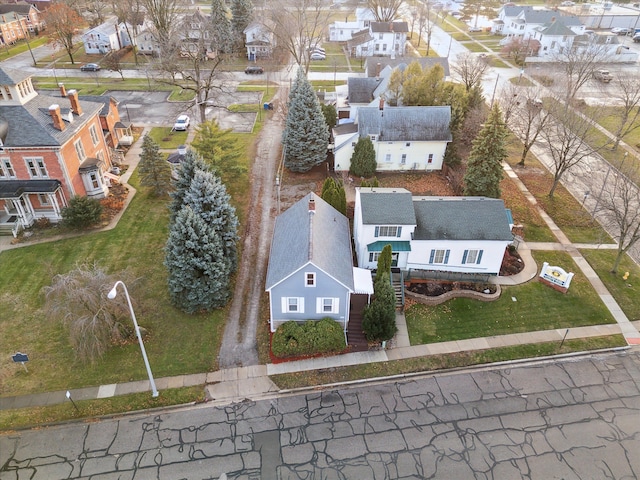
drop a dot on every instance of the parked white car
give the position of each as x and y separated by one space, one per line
182 123
317 56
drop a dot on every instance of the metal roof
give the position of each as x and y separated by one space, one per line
16 188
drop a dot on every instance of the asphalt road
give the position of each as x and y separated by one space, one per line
562 419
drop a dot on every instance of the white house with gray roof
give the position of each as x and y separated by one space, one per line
404 138
452 234
310 274
522 21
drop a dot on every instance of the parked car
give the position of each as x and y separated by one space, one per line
603 76
456 14
318 50
567 4
636 38
90 67
621 30
317 56
475 29
182 123
253 70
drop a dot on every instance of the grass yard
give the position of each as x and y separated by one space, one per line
177 343
538 307
608 118
165 137
439 362
625 292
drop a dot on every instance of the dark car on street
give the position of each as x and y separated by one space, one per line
253 70
90 67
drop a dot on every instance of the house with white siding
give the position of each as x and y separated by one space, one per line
465 235
404 138
105 38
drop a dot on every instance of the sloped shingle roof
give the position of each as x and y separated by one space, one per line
388 27
406 123
322 238
386 206
360 90
461 218
371 65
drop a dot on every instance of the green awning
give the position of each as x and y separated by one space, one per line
395 246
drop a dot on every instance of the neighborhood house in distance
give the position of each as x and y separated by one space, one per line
51 149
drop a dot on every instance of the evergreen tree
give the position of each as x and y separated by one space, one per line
208 198
305 137
191 163
219 148
363 160
371 183
241 16
379 318
155 171
197 270
484 166
383 269
330 115
333 193
221 38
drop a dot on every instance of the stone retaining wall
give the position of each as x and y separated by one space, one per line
427 300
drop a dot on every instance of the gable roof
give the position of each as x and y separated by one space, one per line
556 29
386 206
371 63
300 237
22 8
461 218
11 76
406 123
389 27
360 90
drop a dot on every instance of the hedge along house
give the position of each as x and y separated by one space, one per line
51 149
311 274
457 235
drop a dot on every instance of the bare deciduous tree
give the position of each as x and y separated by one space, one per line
298 26
163 15
618 206
518 48
624 93
62 22
424 16
577 65
470 68
131 14
79 299
385 10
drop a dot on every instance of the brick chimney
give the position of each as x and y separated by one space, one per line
75 104
312 206
54 111
381 103
63 91
378 68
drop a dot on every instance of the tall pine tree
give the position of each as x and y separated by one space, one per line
306 136
198 273
484 166
333 193
191 163
154 170
241 17
221 38
363 160
207 196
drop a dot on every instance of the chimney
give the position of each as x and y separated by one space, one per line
63 91
75 104
378 68
54 111
312 205
381 103
391 27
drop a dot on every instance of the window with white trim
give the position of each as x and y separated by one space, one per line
327 305
387 157
388 231
439 256
310 279
94 135
6 169
36 167
403 159
43 199
80 150
292 304
472 256
430 158
373 256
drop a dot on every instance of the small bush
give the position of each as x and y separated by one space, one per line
82 212
309 338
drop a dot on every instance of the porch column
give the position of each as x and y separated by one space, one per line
22 214
54 202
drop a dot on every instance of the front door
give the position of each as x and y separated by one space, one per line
394 259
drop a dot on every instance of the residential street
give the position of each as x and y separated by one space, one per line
565 419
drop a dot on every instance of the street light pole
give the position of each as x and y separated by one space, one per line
112 294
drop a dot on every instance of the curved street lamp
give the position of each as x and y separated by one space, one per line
112 294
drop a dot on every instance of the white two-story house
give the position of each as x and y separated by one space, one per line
105 38
259 40
404 138
466 235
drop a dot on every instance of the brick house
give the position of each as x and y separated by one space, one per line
51 149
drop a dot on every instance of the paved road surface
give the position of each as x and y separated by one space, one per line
569 419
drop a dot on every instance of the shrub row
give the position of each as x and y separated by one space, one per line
309 338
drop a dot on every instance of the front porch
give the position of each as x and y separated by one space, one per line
22 202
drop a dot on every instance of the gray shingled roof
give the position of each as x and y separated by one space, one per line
21 8
388 27
31 125
406 123
10 76
386 206
557 29
371 64
105 100
461 218
360 90
322 238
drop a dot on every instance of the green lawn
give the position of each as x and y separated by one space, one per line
626 292
177 344
538 307
165 137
